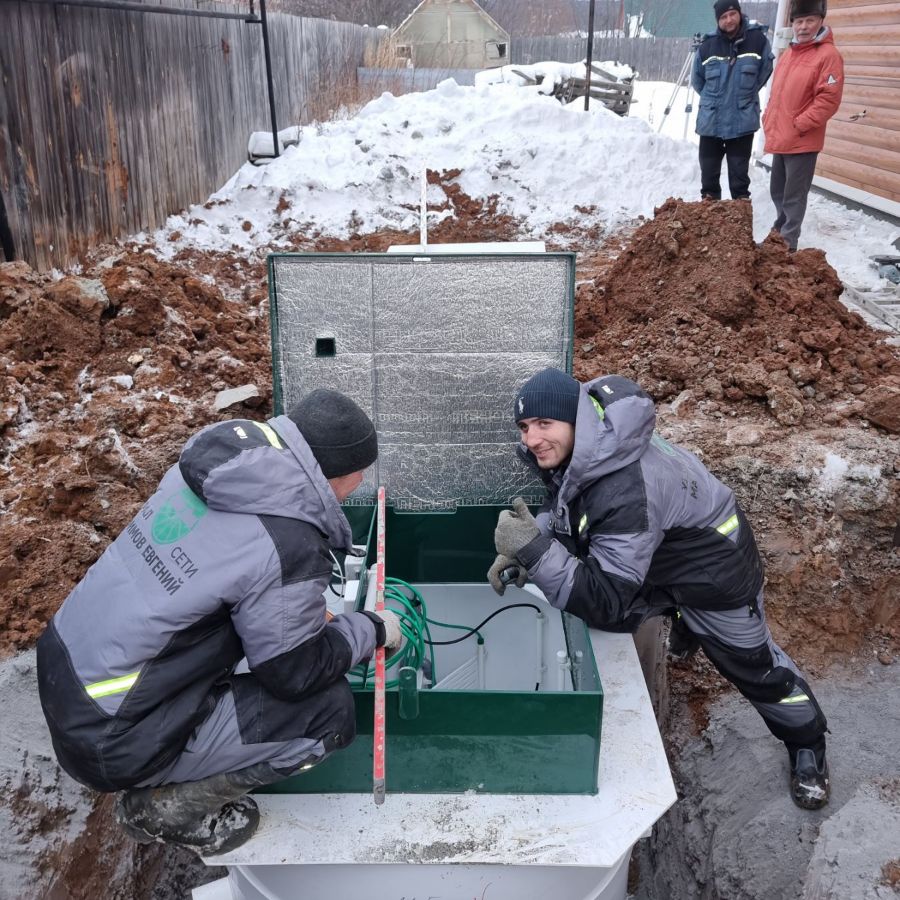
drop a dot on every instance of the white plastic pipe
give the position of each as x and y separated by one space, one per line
423 209
539 656
562 662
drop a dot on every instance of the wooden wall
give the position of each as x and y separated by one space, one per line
862 146
112 120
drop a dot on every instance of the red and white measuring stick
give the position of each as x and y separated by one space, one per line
378 766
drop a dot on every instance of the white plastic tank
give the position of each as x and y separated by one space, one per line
491 846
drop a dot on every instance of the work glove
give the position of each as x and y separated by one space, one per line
393 637
501 563
516 528
387 628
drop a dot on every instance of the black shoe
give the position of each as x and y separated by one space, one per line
219 832
810 786
208 816
682 643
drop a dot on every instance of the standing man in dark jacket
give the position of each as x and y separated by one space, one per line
228 559
730 68
635 527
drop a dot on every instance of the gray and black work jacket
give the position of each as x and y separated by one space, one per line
229 558
633 523
728 74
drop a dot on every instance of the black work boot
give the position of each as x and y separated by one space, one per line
207 816
682 643
810 786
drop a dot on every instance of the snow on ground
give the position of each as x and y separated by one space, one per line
541 158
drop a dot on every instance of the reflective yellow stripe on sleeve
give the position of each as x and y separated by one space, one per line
728 525
271 437
597 405
111 685
800 698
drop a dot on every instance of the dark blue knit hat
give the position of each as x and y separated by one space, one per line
722 7
551 394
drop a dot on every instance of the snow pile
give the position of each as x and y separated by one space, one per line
359 175
545 163
550 74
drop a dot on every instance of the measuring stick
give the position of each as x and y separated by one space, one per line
378 765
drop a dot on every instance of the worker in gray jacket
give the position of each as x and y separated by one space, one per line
635 527
227 560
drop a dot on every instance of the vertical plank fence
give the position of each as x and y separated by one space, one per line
111 119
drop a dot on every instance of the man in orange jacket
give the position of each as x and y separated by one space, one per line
806 93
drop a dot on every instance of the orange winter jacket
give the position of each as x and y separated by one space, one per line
806 93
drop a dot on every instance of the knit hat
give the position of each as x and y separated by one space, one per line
341 436
550 394
720 7
800 8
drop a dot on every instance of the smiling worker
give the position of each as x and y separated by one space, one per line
635 527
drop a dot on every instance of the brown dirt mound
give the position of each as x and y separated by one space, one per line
105 377
693 304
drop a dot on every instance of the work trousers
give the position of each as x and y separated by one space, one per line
792 175
739 644
737 154
249 726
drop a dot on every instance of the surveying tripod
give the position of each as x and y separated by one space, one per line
684 78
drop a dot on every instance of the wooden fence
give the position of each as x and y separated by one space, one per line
110 120
656 59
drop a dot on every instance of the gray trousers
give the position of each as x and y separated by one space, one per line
792 175
250 726
739 644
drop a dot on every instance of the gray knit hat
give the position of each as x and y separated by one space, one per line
551 394
340 435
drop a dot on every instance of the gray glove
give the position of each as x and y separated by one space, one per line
393 636
501 563
515 529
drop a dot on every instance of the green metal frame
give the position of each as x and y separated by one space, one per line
484 741
527 742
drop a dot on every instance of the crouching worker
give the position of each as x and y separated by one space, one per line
228 559
635 527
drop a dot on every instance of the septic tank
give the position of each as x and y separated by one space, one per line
522 755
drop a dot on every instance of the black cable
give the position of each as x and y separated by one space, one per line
472 631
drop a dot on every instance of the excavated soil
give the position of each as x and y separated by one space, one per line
693 304
757 365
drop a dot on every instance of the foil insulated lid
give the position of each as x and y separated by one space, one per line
434 348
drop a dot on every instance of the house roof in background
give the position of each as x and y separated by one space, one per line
668 18
475 7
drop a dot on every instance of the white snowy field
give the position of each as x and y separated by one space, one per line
541 159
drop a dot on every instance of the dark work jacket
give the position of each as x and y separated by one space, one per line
728 75
633 523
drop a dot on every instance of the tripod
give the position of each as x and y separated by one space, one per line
684 79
